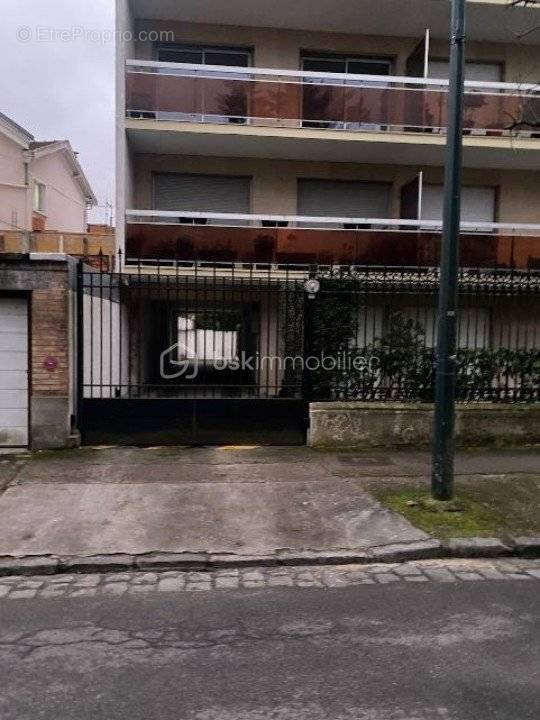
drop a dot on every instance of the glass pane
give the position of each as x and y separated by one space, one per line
208 337
324 65
194 57
367 67
222 57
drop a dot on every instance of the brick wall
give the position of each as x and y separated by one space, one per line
50 337
49 286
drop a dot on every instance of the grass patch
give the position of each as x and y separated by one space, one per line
483 507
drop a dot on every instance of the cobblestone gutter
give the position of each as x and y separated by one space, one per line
339 576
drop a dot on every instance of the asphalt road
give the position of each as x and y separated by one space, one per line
465 651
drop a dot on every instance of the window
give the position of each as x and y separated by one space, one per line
233 57
347 64
477 203
228 102
343 198
208 337
477 71
323 105
202 193
39 197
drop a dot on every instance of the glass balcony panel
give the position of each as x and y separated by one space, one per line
355 104
278 245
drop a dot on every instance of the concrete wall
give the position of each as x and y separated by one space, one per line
274 182
278 48
365 425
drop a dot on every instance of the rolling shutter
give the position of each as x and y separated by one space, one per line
202 193
330 198
477 203
474 71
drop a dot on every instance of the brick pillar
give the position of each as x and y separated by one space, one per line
50 362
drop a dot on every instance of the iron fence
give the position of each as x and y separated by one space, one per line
255 331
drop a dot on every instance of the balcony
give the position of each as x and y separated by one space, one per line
210 238
201 109
284 98
487 21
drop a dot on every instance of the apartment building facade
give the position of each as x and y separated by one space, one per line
260 140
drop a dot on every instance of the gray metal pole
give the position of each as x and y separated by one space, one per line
443 446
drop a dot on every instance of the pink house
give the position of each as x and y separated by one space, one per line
42 185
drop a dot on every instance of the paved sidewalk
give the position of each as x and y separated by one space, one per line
237 501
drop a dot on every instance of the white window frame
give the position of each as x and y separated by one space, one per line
39 197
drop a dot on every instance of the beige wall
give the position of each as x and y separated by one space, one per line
276 48
274 182
13 195
65 207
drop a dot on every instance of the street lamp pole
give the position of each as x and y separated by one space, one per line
443 447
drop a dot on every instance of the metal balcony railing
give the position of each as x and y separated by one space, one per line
296 99
191 236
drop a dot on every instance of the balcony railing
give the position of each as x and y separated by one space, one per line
194 237
293 99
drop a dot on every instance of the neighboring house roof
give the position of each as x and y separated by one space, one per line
41 143
17 133
38 149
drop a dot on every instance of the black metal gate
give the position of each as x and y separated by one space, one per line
231 354
188 355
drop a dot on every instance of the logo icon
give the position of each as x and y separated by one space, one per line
182 358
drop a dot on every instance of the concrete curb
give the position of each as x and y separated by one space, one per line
525 547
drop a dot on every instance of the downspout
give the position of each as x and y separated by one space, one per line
27 232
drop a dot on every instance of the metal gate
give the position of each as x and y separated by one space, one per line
178 355
234 353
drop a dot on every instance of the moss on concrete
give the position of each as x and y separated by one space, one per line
484 507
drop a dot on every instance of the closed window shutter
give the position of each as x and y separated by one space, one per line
328 198
201 193
474 71
477 203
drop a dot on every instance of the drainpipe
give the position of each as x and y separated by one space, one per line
27 234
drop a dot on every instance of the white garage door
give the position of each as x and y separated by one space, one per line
13 372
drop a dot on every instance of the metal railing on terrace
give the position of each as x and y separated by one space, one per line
296 99
195 237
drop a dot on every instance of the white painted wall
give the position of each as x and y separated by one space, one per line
65 205
105 346
13 193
